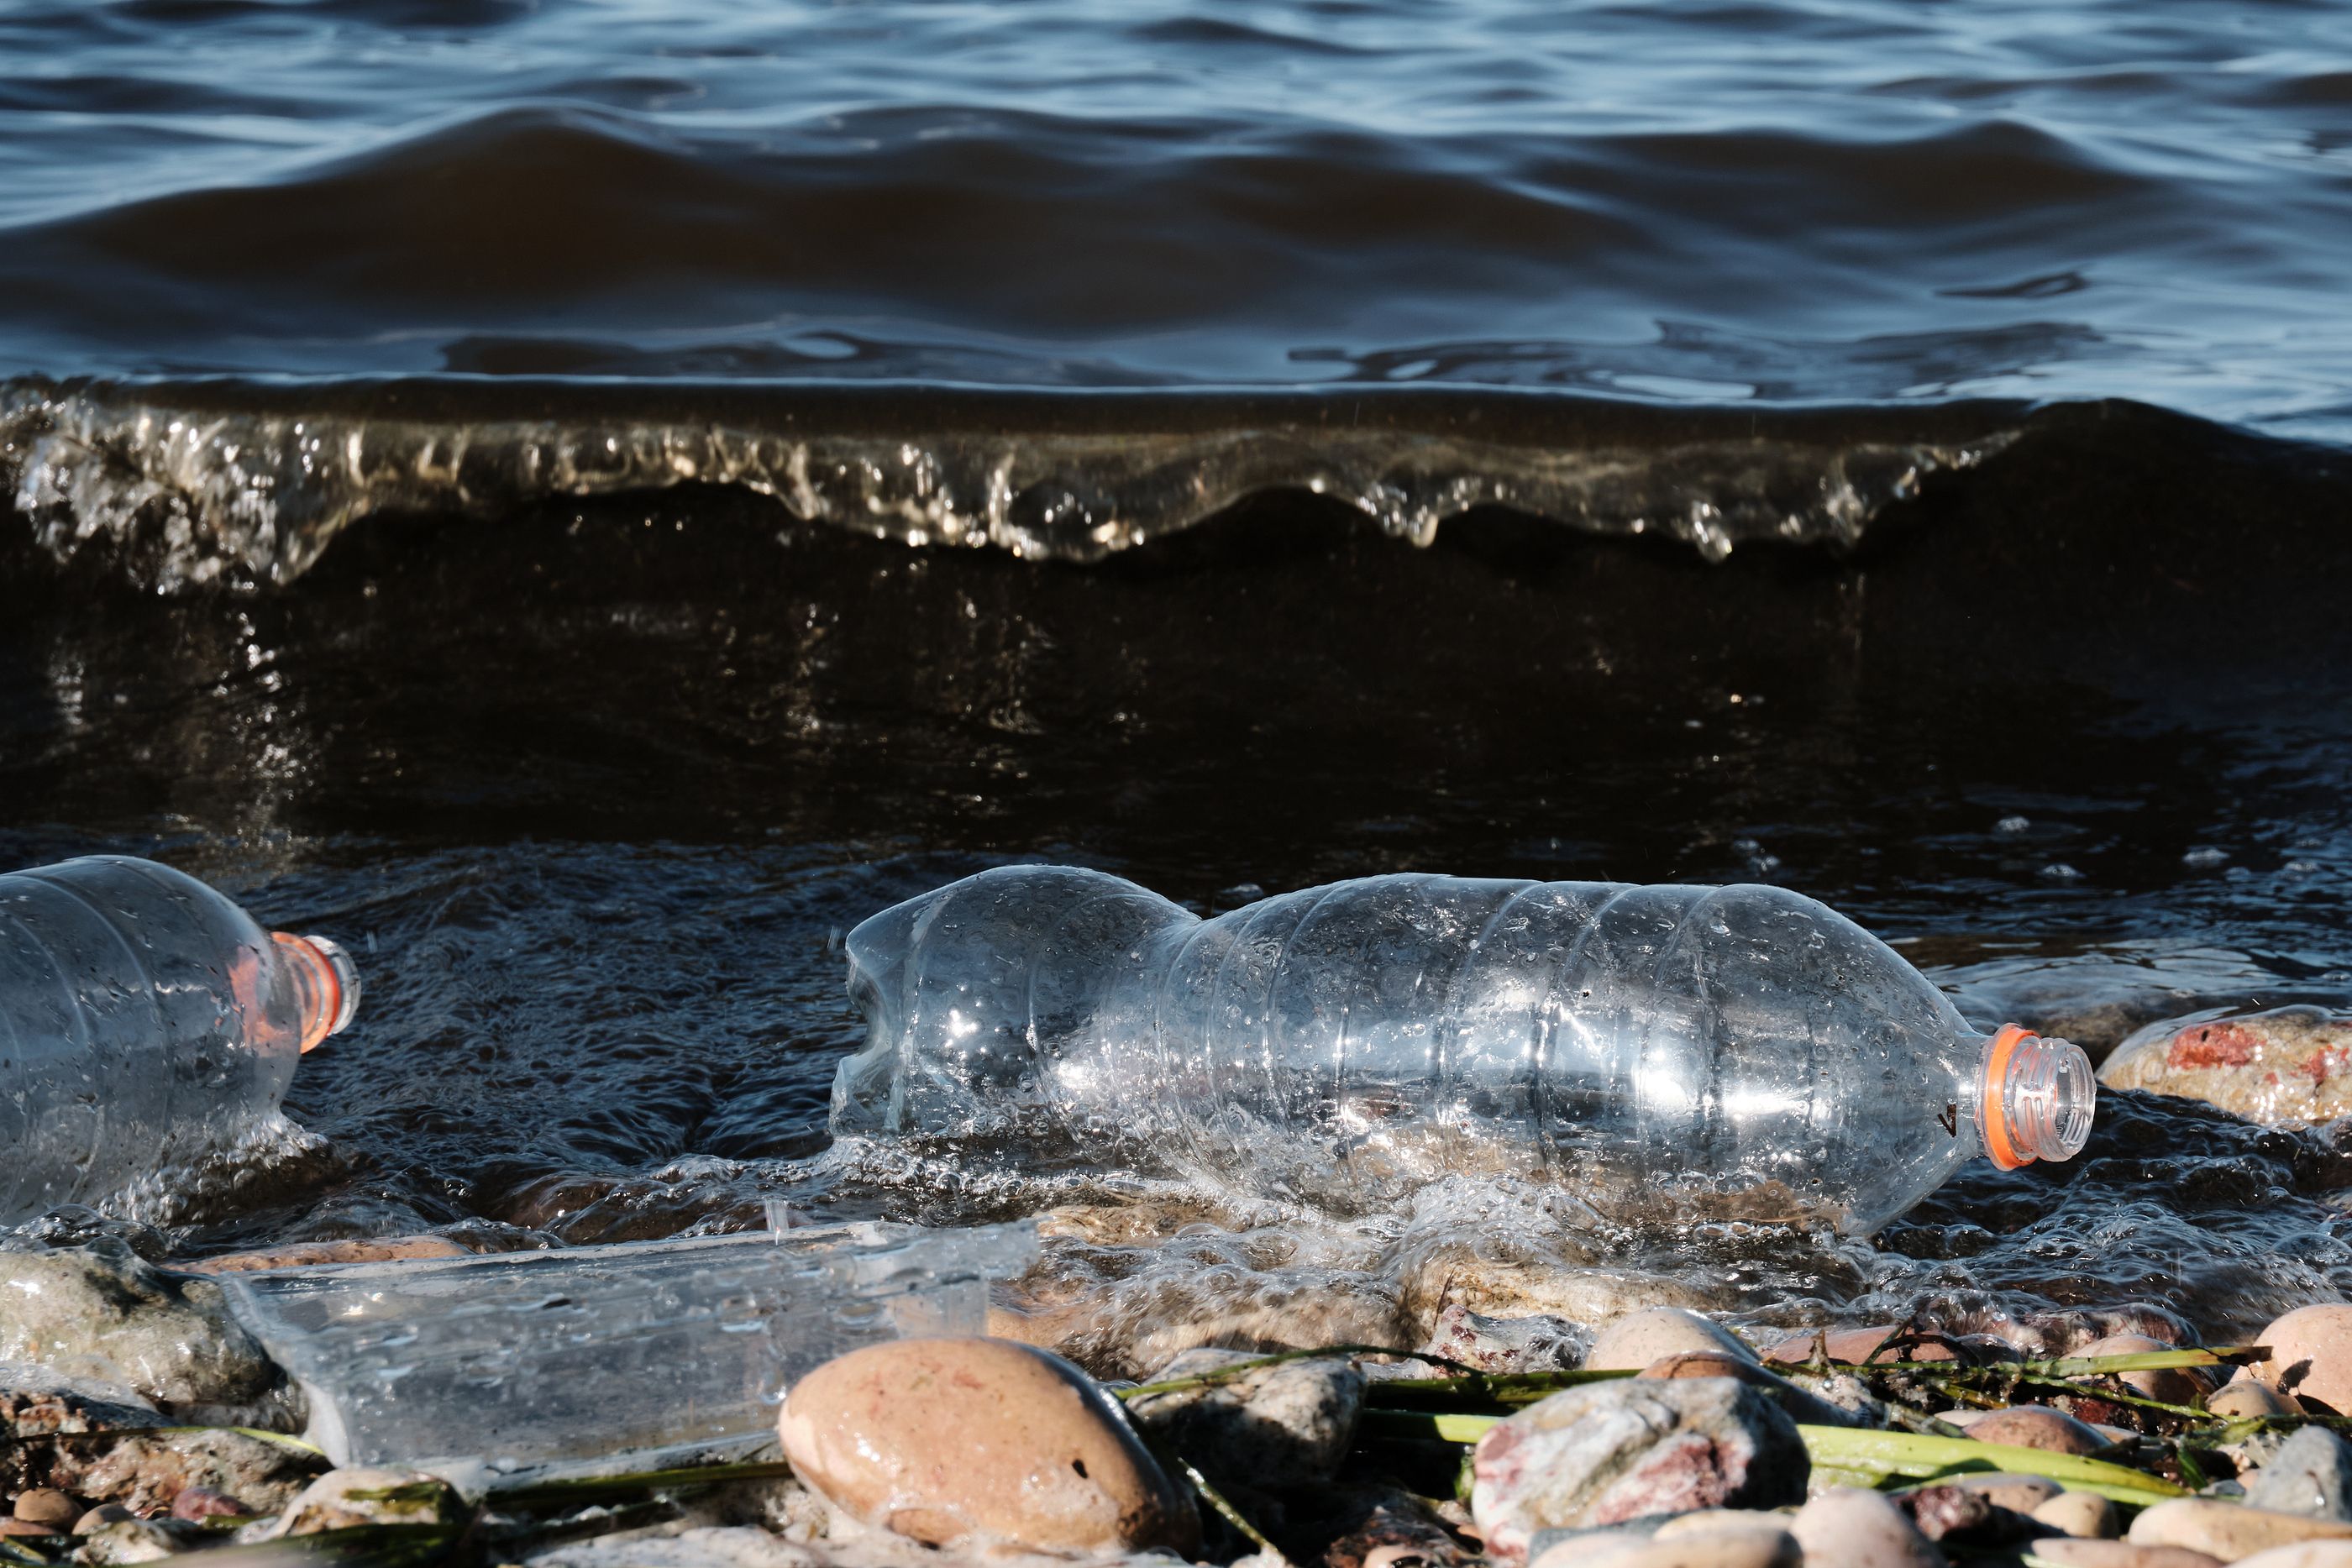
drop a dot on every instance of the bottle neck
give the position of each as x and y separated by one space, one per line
326 984
2035 1099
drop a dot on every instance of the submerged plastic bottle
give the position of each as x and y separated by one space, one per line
1666 1053
145 1019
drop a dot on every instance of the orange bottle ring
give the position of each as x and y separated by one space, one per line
1992 1116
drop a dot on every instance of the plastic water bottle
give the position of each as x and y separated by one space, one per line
1667 1054
144 1020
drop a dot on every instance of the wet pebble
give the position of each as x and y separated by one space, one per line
1279 1426
2286 1065
1536 1343
1612 1451
2311 1355
1844 1528
2228 1531
47 1507
1638 1339
2246 1394
948 1439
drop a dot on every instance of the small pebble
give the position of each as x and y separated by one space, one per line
2311 1356
102 1516
2227 1529
2084 1515
48 1506
1844 1528
946 1440
1638 1339
27 1527
1704 1548
2037 1426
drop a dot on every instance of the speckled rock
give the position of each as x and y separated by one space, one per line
2310 1474
2071 1553
952 1439
102 1312
2037 1426
1639 1339
322 1254
2311 1355
1612 1451
2084 1515
341 1500
1965 1516
1276 1426
2227 1529
200 1503
2286 1065
1844 1528
140 1540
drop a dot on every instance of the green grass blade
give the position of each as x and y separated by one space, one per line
1923 1457
362 1546
585 1490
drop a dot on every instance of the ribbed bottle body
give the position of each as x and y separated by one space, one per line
143 1018
1668 1053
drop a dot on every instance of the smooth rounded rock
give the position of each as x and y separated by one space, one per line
2228 1531
2084 1515
2072 1554
2310 1473
2037 1426
322 1254
1609 1452
2311 1355
947 1440
1638 1339
2308 1554
1697 1549
48 1506
102 1516
13 1527
1845 1528
1713 1521
2246 1394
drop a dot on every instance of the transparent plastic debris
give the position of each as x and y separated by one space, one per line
1669 1054
638 1356
144 1020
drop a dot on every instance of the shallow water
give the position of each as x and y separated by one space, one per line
596 674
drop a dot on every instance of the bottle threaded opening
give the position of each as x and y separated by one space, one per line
325 979
2037 1099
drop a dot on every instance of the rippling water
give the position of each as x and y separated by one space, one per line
480 480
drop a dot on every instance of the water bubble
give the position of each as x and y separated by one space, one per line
2204 857
2012 825
2059 870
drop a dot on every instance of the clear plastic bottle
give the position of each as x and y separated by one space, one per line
145 1019
1666 1053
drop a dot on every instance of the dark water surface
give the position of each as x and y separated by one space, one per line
482 481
